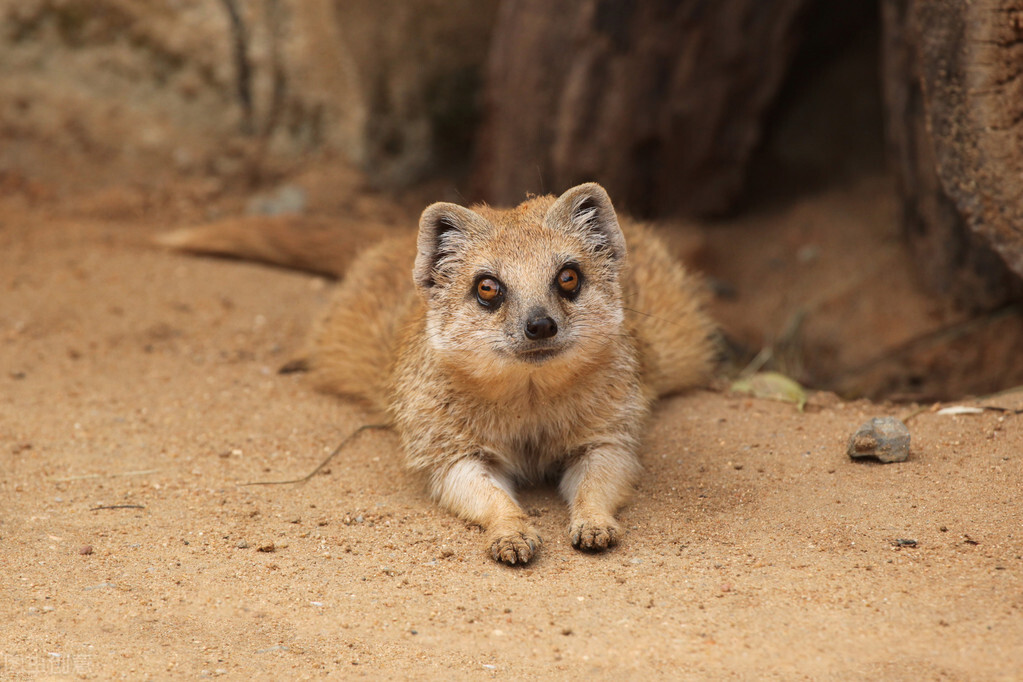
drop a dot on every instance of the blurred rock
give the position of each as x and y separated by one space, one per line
91 92
884 438
285 200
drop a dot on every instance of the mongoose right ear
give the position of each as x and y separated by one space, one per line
587 210
443 232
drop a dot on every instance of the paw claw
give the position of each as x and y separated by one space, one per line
517 547
594 537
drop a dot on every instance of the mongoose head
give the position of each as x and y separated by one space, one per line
526 290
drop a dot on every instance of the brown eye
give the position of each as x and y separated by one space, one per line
569 280
489 292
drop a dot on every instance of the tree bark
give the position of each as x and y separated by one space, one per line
416 73
953 80
661 101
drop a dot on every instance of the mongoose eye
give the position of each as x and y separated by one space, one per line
569 281
489 292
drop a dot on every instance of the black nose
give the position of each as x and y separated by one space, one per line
541 328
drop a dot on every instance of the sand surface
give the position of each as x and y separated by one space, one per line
138 389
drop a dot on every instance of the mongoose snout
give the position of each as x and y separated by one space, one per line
540 326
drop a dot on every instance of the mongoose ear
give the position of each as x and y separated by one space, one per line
587 210
443 232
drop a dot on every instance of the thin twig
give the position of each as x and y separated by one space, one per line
915 413
84 477
757 363
118 506
346 441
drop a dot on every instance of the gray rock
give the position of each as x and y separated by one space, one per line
885 438
285 200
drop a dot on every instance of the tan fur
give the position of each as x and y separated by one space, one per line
474 411
297 242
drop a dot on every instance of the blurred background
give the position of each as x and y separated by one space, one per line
845 174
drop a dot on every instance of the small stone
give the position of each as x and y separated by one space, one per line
85 550
285 200
242 544
885 438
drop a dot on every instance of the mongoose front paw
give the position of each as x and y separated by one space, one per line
517 547
594 536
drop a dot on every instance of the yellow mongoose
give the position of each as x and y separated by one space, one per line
530 347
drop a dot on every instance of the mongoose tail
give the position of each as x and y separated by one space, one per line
323 246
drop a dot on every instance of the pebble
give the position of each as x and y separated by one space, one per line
285 200
85 550
885 438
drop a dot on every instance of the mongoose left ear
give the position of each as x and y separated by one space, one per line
443 232
587 209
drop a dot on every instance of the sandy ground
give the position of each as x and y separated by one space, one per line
138 390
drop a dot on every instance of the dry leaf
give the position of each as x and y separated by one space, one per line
774 386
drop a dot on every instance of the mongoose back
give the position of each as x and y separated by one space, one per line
513 346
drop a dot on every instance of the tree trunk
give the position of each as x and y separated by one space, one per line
415 69
661 101
953 79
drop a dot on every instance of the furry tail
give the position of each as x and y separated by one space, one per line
323 246
665 311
